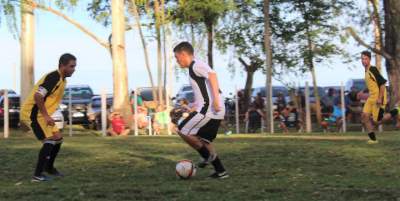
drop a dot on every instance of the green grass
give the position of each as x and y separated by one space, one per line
262 167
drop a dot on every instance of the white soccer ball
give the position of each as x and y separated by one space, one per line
185 169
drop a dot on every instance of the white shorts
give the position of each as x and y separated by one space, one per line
198 124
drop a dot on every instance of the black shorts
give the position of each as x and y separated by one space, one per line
200 125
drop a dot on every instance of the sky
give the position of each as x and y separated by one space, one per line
54 36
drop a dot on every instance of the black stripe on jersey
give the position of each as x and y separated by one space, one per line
50 82
377 75
187 119
201 82
37 130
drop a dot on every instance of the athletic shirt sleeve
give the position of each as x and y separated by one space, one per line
49 83
202 69
378 77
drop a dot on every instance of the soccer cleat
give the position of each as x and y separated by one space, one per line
219 175
204 162
372 142
55 172
40 178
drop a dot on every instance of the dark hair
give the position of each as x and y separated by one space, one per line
366 53
65 58
185 47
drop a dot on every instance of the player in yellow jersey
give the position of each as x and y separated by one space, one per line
374 107
36 113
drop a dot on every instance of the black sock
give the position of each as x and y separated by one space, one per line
44 156
372 136
53 156
203 151
218 165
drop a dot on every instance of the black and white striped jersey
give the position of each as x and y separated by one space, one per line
203 98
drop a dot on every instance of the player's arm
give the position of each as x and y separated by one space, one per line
39 100
381 83
212 77
43 91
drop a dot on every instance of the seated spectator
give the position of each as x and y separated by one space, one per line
280 101
117 125
353 105
328 100
253 117
161 119
334 117
363 96
259 102
290 118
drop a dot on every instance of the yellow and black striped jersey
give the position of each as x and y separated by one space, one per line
373 80
51 86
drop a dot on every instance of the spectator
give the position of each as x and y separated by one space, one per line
280 101
118 126
253 117
329 99
363 96
161 119
334 117
353 104
139 100
259 102
289 118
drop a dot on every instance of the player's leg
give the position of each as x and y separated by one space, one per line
208 133
58 140
366 120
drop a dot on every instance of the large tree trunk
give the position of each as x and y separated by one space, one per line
392 45
377 32
247 89
120 73
159 55
314 79
135 13
268 56
27 49
210 26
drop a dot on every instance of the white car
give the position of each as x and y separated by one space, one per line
58 118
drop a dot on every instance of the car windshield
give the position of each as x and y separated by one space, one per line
78 93
187 88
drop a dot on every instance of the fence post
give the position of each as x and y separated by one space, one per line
104 113
70 110
6 115
135 112
308 113
237 111
343 108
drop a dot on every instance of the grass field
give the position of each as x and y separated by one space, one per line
262 167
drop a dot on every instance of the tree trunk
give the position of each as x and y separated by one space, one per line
377 31
120 73
159 55
27 50
247 89
135 13
210 26
392 45
268 56
314 79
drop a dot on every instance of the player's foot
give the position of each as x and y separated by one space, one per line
55 172
40 178
219 175
205 162
372 142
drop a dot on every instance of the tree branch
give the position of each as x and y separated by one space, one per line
246 66
382 52
73 22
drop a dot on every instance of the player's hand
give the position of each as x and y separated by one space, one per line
379 102
49 121
216 106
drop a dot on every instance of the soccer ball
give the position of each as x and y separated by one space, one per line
185 169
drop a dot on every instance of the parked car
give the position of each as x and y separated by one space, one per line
81 97
94 111
58 118
184 89
188 95
359 84
13 110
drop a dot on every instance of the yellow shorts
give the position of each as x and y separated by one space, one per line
40 128
370 107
